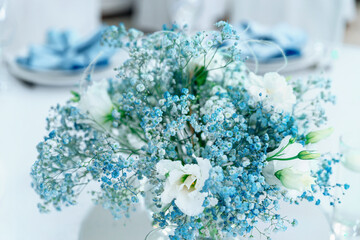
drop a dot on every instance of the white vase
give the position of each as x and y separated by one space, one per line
100 224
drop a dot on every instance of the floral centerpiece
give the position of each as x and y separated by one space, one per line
209 146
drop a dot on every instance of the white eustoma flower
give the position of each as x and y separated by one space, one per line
294 179
184 183
213 61
273 90
299 168
96 102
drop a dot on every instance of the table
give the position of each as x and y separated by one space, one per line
23 110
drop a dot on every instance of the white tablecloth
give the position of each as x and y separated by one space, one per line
23 110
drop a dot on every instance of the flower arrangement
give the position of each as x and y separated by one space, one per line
209 146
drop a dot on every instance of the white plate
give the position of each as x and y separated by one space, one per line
56 77
312 55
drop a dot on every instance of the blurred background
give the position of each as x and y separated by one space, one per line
307 31
45 46
330 20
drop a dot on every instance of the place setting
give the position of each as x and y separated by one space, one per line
62 59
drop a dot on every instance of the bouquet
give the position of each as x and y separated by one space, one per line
209 147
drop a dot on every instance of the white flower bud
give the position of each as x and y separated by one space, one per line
316 136
294 179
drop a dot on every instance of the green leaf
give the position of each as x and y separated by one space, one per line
292 140
109 117
76 96
278 174
200 75
184 177
213 232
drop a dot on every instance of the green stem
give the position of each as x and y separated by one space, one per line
282 159
277 154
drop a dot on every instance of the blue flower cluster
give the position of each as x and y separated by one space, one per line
179 97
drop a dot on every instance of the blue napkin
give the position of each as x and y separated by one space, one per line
288 38
65 51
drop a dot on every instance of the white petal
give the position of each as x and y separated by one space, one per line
175 176
192 169
275 91
256 80
189 181
273 166
205 166
96 101
269 174
297 180
190 204
169 193
165 166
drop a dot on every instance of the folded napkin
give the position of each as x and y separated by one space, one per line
65 51
288 38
